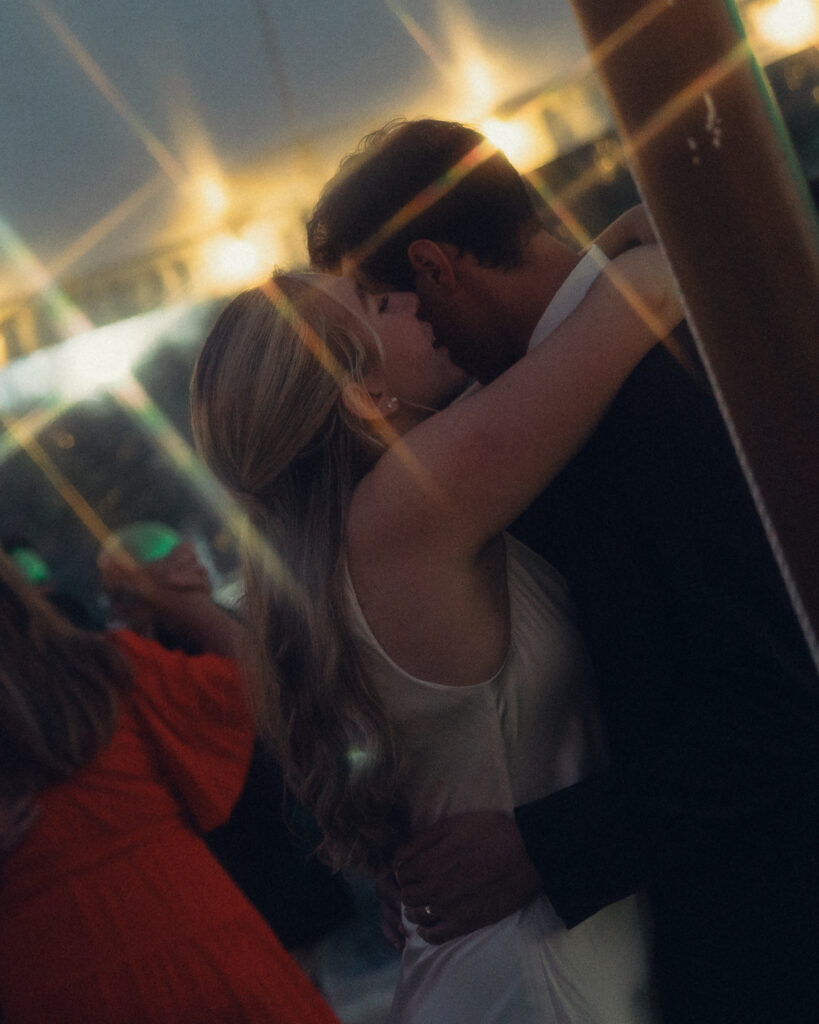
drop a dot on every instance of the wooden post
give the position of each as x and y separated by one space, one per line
712 161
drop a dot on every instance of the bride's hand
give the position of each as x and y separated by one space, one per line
643 277
631 228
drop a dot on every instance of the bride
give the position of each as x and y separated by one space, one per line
410 660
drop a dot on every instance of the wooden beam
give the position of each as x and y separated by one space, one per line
712 160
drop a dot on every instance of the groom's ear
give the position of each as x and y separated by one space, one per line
433 267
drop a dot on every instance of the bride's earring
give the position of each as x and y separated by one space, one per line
391 404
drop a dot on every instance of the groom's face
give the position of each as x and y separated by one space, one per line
448 320
462 321
465 322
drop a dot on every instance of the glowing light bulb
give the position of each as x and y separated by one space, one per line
231 262
788 24
521 143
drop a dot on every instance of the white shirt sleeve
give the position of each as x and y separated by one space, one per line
570 294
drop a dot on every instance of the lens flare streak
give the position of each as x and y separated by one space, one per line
421 37
425 199
157 149
136 402
67 491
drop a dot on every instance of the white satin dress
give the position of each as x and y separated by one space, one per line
529 730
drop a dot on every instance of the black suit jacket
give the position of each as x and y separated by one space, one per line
711 703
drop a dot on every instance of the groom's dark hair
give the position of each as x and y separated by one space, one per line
421 179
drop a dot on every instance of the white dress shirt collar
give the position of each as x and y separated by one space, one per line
569 295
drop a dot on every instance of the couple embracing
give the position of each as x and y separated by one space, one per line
580 797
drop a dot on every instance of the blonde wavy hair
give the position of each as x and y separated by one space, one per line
269 419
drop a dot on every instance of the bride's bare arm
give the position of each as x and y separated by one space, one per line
463 475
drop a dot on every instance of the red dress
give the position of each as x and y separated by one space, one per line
112 909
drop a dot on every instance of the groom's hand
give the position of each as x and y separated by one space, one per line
389 902
463 873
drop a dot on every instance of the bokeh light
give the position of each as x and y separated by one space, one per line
229 262
89 363
524 141
784 25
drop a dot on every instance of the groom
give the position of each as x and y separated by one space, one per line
705 684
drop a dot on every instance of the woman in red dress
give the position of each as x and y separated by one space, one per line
112 908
